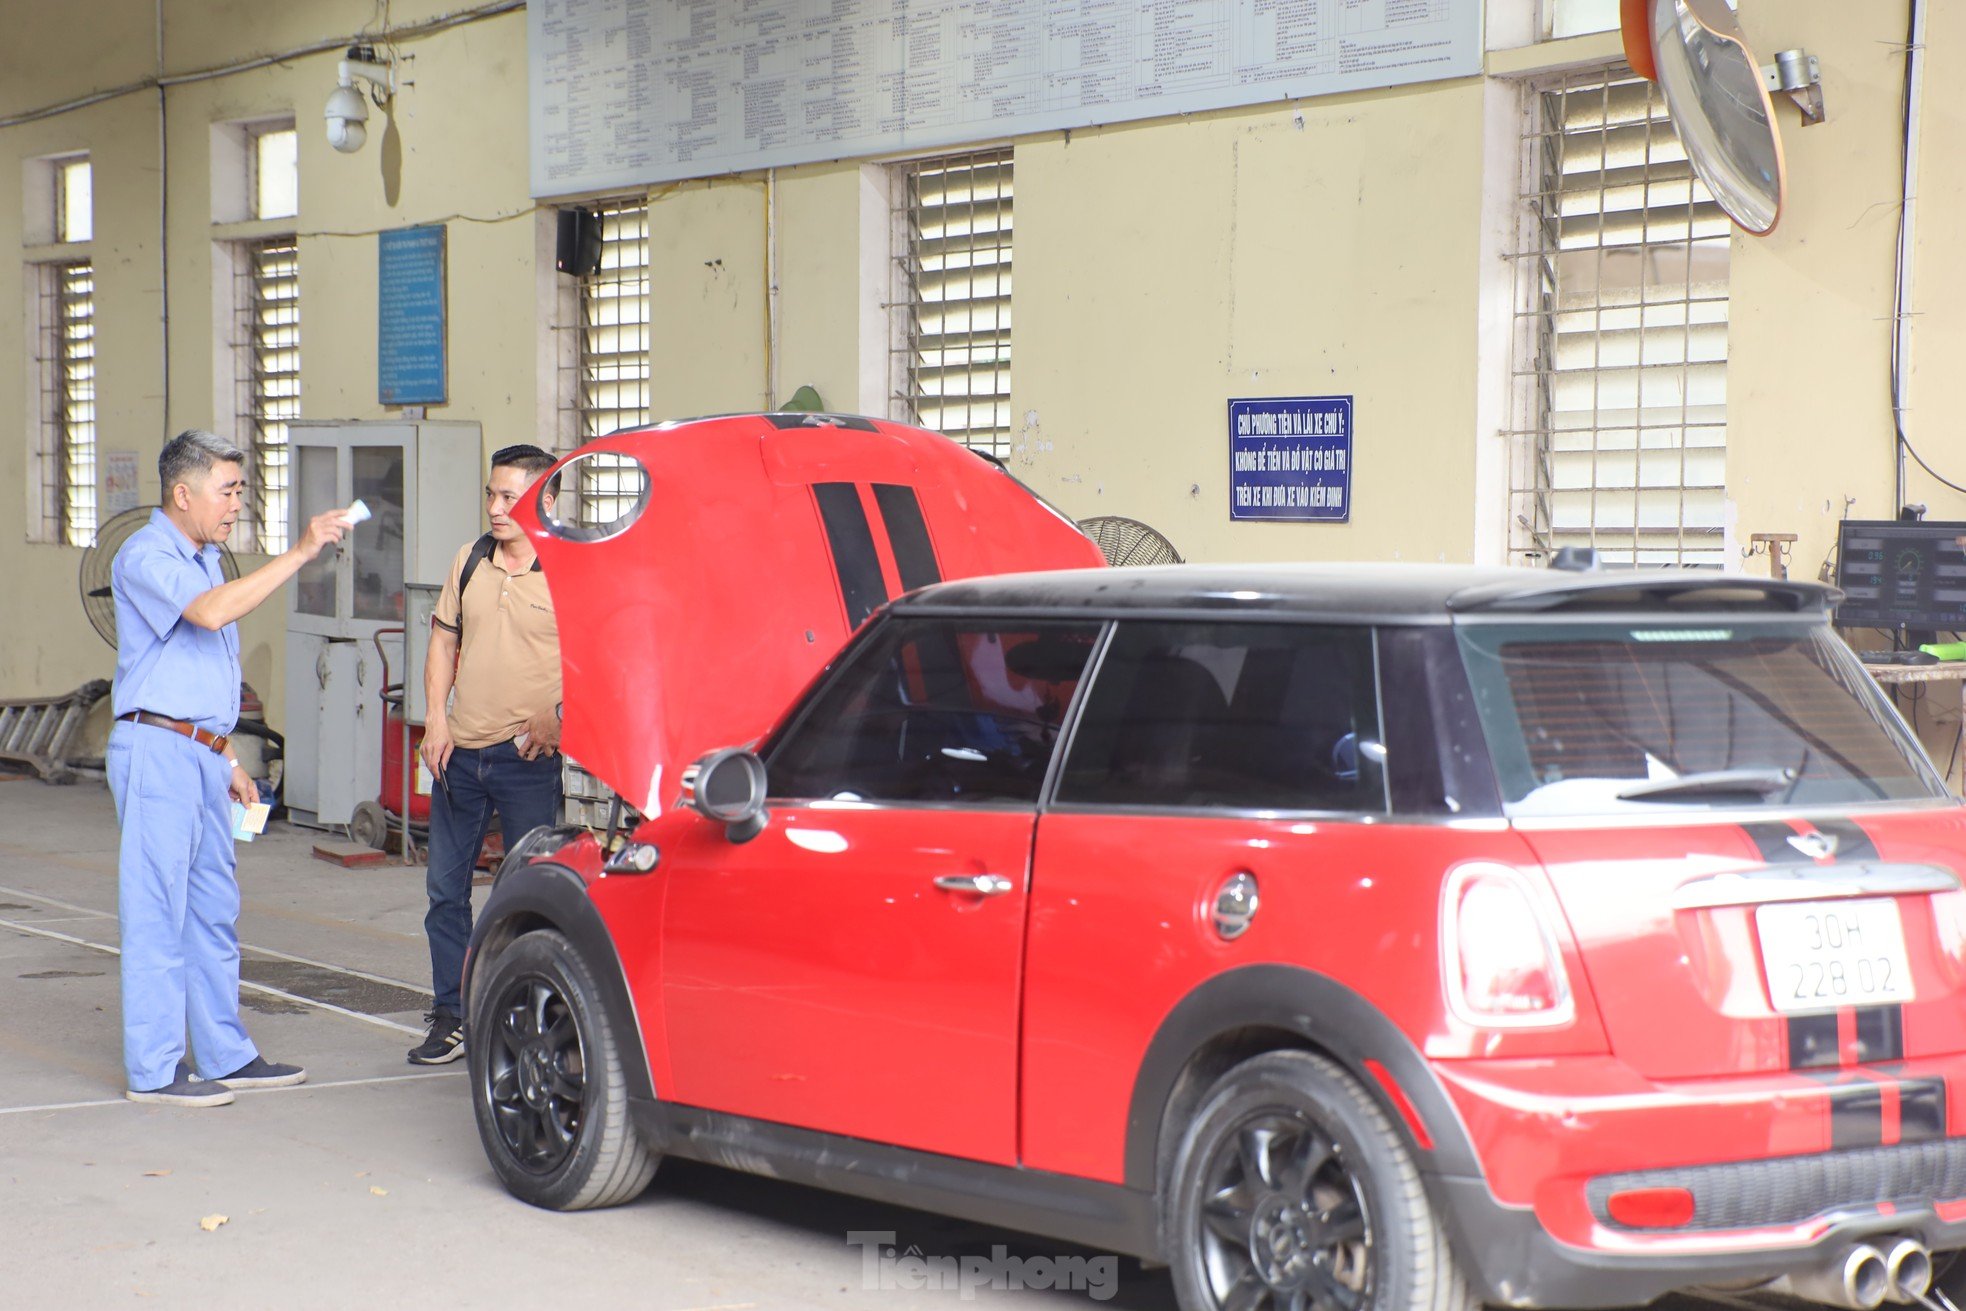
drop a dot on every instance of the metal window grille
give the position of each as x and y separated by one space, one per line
1621 374
610 393
613 357
266 348
953 226
66 364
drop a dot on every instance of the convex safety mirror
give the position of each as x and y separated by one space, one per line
1720 107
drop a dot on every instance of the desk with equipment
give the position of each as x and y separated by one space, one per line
1907 578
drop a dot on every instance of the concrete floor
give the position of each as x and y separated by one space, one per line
367 1185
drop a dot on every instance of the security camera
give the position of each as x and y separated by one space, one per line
348 110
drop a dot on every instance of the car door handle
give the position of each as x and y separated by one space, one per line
983 885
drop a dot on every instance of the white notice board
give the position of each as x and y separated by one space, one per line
629 92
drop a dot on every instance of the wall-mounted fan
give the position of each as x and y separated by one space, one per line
96 602
1128 541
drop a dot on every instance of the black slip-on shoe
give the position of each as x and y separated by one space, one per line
445 1043
262 1073
183 1092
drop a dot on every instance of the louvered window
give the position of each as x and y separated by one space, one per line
65 361
266 348
612 390
953 245
1621 397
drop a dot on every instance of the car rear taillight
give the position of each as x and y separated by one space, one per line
1500 963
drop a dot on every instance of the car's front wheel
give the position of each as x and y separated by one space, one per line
1291 1191
547 1082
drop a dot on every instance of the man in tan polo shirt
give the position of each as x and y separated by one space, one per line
493 746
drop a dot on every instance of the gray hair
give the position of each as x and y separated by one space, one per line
193 449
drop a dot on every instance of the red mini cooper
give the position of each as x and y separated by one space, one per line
1341 936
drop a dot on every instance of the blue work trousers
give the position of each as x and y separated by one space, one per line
179 903
477 781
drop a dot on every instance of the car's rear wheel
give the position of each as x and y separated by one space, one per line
547 1082
1291 1191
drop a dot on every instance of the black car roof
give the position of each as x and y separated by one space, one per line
1381 593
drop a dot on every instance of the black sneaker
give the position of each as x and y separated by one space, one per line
262 1073
183 1092
445 1043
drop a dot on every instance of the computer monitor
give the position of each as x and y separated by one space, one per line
1901 574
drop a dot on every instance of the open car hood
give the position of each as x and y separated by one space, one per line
702 572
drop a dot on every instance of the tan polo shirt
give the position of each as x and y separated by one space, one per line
508 669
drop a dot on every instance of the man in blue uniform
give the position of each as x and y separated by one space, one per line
174 777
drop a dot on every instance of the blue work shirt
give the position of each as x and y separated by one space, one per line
165 663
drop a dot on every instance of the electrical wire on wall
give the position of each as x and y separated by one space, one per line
408 32
1901 283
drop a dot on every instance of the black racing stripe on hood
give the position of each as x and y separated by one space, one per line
852 542
907 533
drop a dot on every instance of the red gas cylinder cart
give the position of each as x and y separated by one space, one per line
405 783
405 787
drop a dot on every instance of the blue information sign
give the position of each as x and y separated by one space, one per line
410 317
1291 458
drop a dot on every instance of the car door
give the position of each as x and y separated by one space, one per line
855 968
1213 758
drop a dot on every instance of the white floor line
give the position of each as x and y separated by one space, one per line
243 1092
243 983
89 913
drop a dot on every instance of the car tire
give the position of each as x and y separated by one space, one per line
546 1080
1291 1191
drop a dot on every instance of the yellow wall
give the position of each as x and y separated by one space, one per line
1323 248
1331 246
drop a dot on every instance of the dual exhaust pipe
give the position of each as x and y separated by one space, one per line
1866 1276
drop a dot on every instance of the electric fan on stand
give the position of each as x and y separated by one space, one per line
96 602
260 749
1128 541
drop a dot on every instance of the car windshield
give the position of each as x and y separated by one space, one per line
1595 717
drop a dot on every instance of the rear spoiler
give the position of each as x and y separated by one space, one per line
1650 590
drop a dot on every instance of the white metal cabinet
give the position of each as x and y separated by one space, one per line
422 484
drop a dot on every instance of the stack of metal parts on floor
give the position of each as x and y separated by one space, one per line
39 731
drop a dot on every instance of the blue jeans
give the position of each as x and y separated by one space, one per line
477 781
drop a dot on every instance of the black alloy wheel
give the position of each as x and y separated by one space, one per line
1284 1225
547 1081
1291 1190
535 1072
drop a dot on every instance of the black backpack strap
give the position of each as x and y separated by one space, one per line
480 551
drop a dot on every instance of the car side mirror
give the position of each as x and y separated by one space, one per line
730 790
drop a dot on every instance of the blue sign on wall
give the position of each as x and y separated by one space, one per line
1291 458
410 317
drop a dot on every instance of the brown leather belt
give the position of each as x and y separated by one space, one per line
203 737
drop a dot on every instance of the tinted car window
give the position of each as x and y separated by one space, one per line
1585 717
1249 716
936 710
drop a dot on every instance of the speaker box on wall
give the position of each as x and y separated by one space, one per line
577 252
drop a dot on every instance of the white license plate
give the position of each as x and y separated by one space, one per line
1824 954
